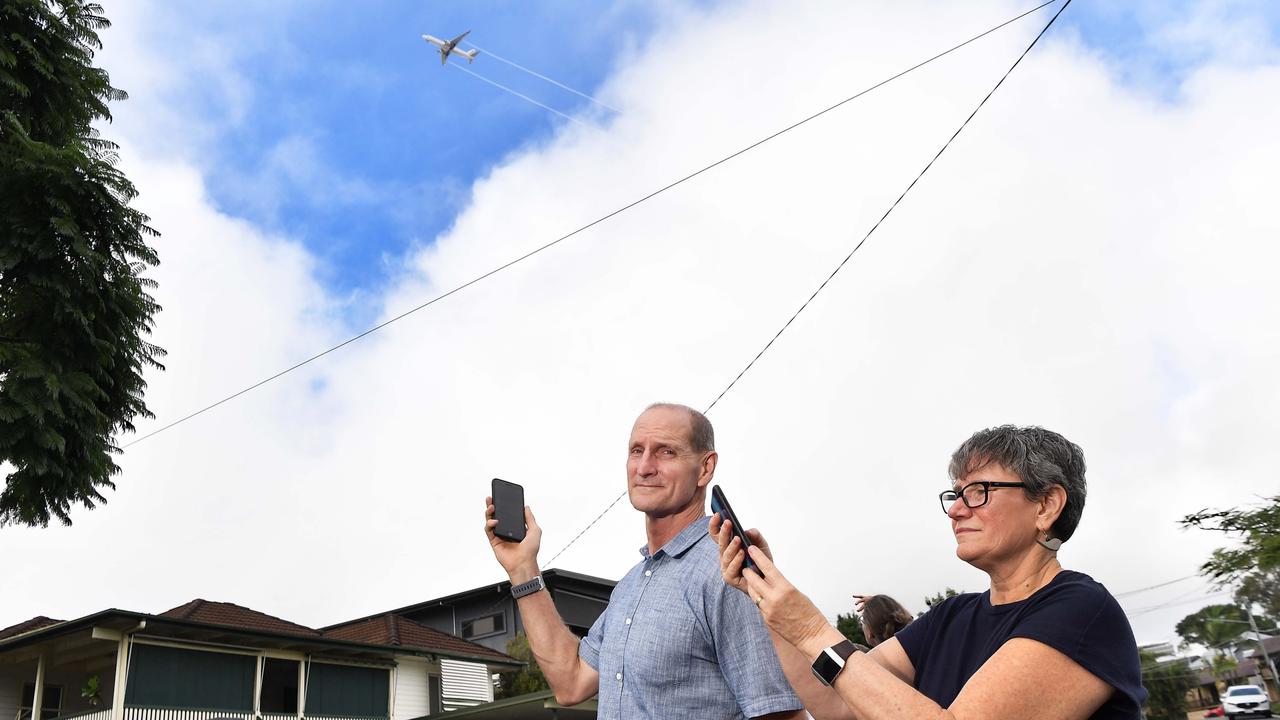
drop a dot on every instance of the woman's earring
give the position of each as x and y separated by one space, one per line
1052 544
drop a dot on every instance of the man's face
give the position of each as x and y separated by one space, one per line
664 474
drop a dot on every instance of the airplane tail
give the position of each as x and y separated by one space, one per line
471 55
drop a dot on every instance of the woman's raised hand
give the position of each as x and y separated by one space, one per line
732 558
786 610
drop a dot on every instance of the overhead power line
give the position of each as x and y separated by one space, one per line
578 231
1153 587
1181 600
860 243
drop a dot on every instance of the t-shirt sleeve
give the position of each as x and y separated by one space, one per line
1084 622
745 652
917 636
589 646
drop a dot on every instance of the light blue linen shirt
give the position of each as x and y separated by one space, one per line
676 642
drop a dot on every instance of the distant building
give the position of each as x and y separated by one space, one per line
208 659
487 615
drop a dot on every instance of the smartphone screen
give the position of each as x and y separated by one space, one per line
720 504
508 510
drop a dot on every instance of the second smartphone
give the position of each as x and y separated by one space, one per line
720 504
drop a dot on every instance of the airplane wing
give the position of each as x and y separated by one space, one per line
458 39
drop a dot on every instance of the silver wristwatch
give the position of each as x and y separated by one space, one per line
528 588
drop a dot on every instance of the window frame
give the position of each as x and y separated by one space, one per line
62 697
501 615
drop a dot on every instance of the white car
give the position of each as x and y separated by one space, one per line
1246 701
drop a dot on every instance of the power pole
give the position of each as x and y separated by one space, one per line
1253 625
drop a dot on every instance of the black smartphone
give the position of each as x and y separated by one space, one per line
508 510
719 504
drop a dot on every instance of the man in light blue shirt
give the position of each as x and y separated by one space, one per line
675 641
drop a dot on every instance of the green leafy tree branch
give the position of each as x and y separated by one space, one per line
75 309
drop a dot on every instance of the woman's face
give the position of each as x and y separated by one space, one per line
1002 529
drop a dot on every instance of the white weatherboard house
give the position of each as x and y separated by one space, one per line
206 660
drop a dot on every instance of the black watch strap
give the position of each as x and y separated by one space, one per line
528 588
831 661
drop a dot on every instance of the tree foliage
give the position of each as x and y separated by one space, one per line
1261 588
75 310
1258 529
1224 669
523 682
1214 626
936 598
1167 685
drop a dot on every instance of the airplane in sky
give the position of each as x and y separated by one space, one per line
451 46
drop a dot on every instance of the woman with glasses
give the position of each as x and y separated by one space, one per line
1043 642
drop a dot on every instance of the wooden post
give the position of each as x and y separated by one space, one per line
122 678
257 687
37 700
302 685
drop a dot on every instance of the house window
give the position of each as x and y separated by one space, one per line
348 691
280 686
179 678
484 626
435 694
50 703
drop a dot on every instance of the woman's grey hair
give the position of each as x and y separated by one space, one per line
1040 458
702 437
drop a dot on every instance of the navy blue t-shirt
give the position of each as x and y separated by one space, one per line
1073 614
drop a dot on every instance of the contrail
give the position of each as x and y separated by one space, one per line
513 92
499 58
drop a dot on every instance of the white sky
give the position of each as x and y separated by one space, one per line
1087 256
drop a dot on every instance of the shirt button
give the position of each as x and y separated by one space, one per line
647 573
628 621
619 676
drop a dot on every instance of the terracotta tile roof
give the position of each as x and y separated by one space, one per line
392 629
235 616
34 623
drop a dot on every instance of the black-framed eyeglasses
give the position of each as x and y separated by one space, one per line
974 495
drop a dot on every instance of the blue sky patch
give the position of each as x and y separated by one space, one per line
354 140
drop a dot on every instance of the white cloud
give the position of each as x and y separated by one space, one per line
1083 257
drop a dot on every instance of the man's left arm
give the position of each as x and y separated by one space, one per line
747 658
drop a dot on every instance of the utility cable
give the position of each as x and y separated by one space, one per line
1184 600
540 76
581 229
864 239
1153 587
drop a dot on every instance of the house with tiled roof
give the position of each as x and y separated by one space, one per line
485 616
207 659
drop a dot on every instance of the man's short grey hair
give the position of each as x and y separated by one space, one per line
702 437
1040 458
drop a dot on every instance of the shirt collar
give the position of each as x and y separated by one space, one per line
686 539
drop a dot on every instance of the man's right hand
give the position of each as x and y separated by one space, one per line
519 559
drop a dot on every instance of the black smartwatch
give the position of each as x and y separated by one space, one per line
528 588
831 661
